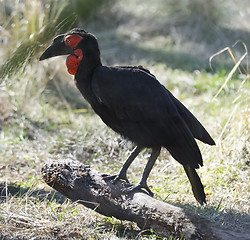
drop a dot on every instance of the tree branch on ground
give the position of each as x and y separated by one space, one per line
80 183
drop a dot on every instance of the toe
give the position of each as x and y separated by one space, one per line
139 187
108 177
114 178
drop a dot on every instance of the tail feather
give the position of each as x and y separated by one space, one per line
198 131
196 184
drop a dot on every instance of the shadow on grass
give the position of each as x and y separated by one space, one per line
13 190
187 57
238 221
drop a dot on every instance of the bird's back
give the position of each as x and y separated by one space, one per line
132 102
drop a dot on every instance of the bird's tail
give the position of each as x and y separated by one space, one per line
196 184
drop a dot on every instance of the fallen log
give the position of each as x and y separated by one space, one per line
80 183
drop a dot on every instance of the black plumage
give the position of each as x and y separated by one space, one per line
131 101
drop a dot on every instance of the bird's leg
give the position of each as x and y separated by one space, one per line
143 183
123 172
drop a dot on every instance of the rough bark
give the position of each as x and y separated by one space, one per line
80 183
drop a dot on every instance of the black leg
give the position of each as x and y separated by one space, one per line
123 172
151 161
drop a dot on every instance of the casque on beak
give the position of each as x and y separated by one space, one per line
57 48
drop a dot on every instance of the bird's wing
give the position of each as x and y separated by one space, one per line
138 99
193 123
129 92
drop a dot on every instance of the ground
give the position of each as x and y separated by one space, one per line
44 118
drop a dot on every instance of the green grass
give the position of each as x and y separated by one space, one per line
44 118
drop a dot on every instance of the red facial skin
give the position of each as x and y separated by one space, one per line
73 61
72 40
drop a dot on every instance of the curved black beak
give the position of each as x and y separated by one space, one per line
57 48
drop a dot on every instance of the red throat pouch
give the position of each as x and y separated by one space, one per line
73 61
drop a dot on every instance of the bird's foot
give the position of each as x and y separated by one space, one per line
139 186
115 178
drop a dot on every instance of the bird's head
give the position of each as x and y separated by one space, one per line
78 44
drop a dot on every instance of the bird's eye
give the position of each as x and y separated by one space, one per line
72 40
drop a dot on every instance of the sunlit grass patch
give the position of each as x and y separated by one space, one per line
40 131
43 118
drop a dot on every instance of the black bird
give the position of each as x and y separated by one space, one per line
131 101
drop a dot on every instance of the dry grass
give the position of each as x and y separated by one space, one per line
44 118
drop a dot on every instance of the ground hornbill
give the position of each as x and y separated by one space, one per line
131 101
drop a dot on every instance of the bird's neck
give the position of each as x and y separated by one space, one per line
87 67
84 75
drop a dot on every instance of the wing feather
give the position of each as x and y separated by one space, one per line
147 113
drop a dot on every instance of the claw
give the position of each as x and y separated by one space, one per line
139 187
104 175
108 177
117 178
114 178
